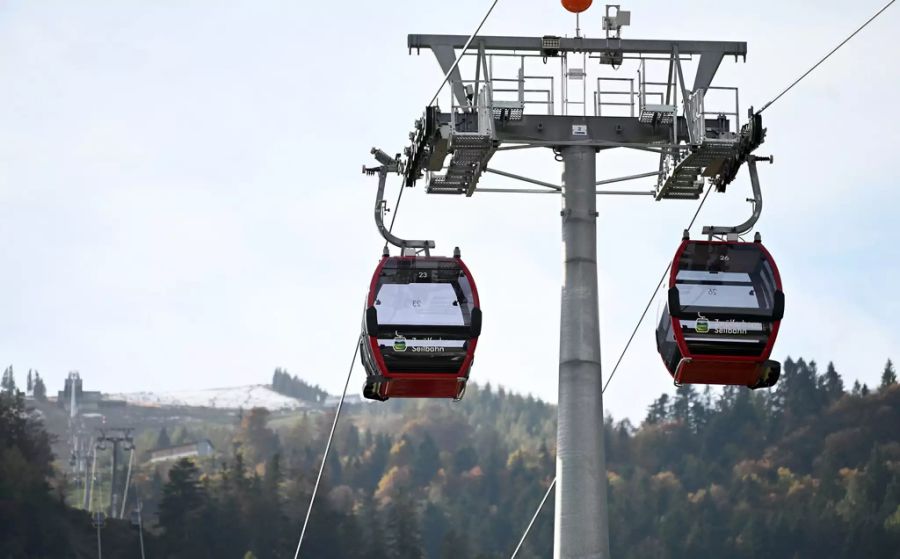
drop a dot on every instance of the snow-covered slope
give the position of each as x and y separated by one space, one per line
246 397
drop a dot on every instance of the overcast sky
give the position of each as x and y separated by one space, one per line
181 204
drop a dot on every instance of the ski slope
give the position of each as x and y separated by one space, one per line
253 396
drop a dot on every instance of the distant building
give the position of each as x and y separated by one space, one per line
75 400
187 450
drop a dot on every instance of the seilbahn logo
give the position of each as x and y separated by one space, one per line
401 344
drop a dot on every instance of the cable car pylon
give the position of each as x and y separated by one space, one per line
451 149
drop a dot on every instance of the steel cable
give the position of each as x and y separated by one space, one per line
827 56
127 482
464 49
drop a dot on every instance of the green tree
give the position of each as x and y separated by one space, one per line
454 545
683 406
831 384
40 390
162 440
180 508
888 376
284 383
658 411
32 521
464 459
257 441
372 529
403 529
434 527
426 462
29 382
8 384
797 392
181 435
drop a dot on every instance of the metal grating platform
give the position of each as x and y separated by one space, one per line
471 153
685 180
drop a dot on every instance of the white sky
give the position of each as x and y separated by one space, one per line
181 205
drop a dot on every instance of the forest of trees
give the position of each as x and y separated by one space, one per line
34 384
284 383
807 469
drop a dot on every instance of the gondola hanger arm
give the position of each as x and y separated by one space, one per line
390 165
757 202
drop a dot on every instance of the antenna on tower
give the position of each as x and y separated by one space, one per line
614 22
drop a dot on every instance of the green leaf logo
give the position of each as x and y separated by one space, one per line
400 344
702 325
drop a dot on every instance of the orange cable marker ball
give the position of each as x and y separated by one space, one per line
577 6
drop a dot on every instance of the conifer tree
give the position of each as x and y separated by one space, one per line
403 529
162 440
183 496
831 384
658 411
888 376
8 384
40 390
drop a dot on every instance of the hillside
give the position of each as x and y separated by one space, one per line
805 470
233 398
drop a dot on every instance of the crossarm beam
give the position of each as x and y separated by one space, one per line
571 44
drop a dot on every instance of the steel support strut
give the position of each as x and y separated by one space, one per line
581 517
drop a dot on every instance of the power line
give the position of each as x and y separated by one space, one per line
834 50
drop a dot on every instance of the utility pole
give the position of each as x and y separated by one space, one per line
452 149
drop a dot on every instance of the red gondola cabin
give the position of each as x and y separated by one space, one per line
421 327
724 308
